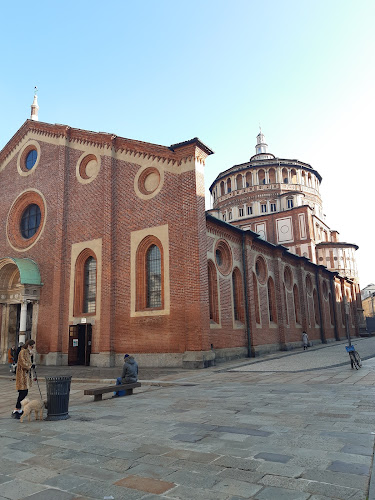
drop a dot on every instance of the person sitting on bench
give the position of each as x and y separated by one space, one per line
129 374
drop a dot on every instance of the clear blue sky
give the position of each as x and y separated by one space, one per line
166 71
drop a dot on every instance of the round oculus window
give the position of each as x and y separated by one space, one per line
223 257
26 220
30 159
149 180
30 221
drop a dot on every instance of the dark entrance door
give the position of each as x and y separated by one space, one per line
79 344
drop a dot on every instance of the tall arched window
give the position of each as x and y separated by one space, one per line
153 273
222 189
331 313
149 274
256 299
286 305
271 300
296 304
212 292
316 307
238 303
89 288
85 283
239 181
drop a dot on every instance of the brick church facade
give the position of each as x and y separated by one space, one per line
106 248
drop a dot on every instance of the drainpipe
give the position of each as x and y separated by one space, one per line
244 265
322 336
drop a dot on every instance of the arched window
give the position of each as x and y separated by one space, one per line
239 181
286 305
153 273
296 304
212 292
229 186
149 274
249 179
284 174
85 283
89 288
271 300
256 299
238 302
222 190
293 174
261 176
316 307
331 313
272 175
303 178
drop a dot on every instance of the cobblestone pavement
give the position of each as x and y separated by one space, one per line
287 426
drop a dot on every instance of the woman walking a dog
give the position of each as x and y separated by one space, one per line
23 375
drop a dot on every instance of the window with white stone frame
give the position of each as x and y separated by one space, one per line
249 210
263 208
240 211
273 207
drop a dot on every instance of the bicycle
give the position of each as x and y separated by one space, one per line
355 359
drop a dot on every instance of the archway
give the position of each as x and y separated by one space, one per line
20 285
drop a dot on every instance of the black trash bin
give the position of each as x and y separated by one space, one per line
58 390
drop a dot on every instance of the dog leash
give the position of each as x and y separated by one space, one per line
37 383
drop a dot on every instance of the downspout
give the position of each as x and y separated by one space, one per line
333 295
322 336
244 265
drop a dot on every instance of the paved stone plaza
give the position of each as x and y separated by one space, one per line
293 426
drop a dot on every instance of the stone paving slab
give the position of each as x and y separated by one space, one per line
214 436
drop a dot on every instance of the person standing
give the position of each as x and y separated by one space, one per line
11 357
305 341
23 375
129 374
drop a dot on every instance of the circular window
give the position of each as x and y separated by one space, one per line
31 158
28 158
87 168
288 278
261 270
309 285
26 220
149 180
223 256
30 221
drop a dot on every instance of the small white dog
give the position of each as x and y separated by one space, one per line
36 405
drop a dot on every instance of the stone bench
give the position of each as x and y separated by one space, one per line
99 391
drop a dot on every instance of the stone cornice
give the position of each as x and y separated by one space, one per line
188 151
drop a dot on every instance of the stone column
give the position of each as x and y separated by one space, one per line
22 333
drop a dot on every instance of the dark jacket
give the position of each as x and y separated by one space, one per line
129 371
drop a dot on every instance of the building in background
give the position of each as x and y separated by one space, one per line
280 200
106 248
